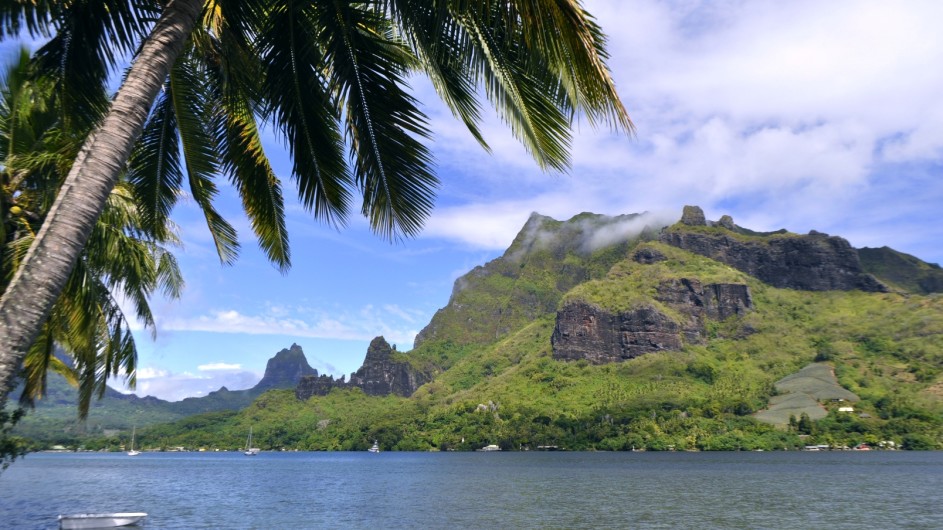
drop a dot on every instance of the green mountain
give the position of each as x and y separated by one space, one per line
902 271
616 333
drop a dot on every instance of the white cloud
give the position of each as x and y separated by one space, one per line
150 372
483 226
212 367
174 386
393 322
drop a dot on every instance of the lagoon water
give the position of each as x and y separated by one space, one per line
482 490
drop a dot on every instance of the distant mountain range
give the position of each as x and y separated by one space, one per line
614 333
55 414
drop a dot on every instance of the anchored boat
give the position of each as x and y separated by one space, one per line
100 520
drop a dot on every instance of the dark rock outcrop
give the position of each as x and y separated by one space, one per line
648 256
380 375
693 216
317 385
285 370
698 303
814 262
585 331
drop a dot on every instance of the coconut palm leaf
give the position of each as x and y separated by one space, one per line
301 107
439 44
249 170
92 37
33 16
37 364
522 90
574 46
231 73
383 123
190 104
155 172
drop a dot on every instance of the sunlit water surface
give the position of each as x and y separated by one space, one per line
483 490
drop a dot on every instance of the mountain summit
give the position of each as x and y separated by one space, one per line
285 370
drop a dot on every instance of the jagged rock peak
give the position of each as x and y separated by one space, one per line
693 216
286 369
379 375
379 350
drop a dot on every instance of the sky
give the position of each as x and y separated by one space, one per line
803 115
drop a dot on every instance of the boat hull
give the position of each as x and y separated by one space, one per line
100 520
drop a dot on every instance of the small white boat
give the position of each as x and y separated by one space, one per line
490 447
251 451
100 520
375 448
132 452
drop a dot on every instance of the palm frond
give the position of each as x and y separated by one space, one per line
522 89
96 333
250 171
439 42
574 46
383 122
190 103
154 170
34 16
169 277
36 365
302 111
230 69
91 37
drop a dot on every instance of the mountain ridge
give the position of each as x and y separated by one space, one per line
495 375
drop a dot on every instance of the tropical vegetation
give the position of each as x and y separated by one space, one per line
506 387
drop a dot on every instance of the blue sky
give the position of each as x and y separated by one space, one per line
800 115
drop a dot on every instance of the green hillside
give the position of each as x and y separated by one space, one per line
497 381
902 271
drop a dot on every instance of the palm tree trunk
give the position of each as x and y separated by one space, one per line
28 299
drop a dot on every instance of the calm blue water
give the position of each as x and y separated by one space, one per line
483 490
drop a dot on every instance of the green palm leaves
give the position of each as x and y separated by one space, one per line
329 79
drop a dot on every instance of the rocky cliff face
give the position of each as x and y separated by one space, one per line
814 262
379 375
585 331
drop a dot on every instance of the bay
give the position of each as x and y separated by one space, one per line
482 490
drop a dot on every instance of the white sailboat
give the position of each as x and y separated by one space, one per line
251 451
132 452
